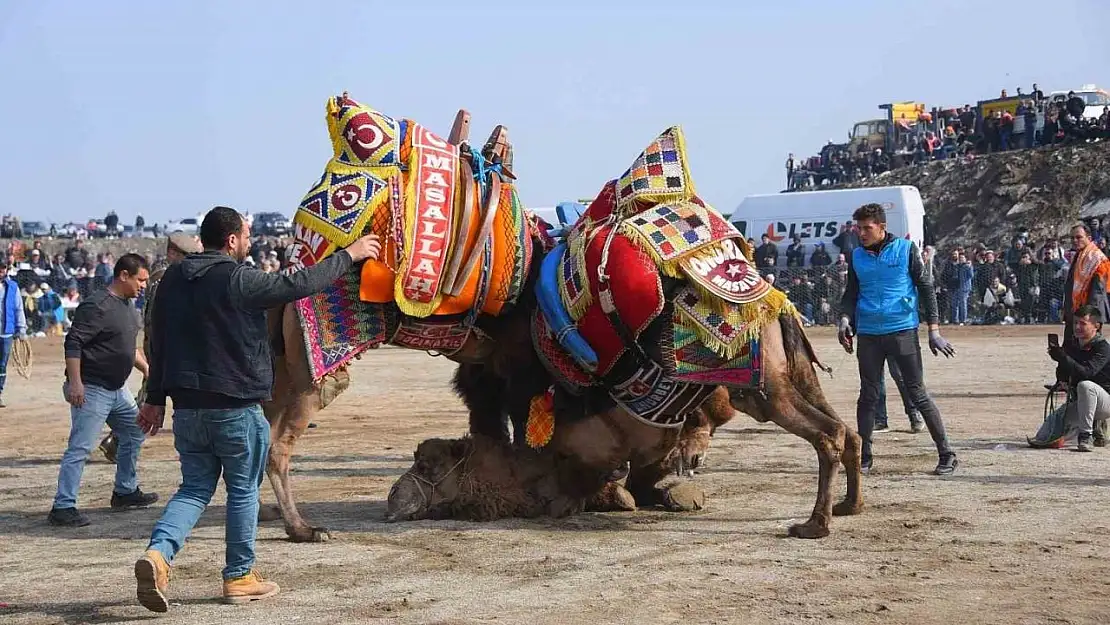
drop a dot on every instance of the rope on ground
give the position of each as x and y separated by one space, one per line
23 357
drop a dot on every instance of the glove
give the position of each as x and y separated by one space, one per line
844 334
938 343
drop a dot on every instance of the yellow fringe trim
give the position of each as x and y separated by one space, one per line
576 246
753 317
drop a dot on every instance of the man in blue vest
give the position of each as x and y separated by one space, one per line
885 279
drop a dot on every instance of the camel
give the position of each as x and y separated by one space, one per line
484 363
501 371
478 478
600 443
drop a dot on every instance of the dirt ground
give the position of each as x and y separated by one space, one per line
1016 536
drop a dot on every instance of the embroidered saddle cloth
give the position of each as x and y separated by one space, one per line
653 289
399 180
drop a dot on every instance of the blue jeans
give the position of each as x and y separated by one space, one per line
959 307
210 442
5 353
118 409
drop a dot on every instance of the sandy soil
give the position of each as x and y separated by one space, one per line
1016 536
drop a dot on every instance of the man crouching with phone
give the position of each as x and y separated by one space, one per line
1084 365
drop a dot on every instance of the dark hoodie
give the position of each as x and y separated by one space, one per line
209 341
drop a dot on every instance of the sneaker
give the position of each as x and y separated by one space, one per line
250 587
917 424
880 428
137 499
947 464
2 404
865 464
67 517
152 580
1084 443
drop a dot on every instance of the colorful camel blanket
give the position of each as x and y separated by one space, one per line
661 287
399 180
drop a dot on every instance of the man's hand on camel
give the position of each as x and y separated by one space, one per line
369 246
151 418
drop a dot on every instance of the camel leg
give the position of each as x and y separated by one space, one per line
850 456
294 403
611 498
789 409
794 414
482 392
289 427
681 496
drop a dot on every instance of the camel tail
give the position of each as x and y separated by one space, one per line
796 342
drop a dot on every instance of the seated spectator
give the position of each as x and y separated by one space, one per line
1083 366
996 302
50 306
70 301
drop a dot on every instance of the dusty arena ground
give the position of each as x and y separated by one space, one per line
1016 536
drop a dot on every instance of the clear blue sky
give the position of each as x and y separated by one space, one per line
169 108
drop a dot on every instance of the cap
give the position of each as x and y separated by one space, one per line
185 242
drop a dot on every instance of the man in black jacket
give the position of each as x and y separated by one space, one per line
211 353
1084 365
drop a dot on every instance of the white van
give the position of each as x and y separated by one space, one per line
818 216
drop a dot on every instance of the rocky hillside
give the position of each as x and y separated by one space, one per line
987 198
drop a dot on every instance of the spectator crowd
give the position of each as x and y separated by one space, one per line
52 287
955 133
975 285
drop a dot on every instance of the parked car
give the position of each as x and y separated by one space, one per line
36 229
271 224
188 225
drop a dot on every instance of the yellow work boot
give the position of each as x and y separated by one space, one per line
250 587
152 580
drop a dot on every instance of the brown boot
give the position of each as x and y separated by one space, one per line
250 587
152 580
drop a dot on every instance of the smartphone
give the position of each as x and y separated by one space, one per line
1054 340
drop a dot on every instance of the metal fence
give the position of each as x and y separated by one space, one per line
997 293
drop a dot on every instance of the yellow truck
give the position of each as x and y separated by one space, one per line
886 132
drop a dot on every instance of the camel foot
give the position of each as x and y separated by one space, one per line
682 497
309 535
809 529
612 498
269 513
847 508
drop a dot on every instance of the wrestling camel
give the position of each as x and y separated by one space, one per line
586 449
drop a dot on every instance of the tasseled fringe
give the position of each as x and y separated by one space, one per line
754 316
541 420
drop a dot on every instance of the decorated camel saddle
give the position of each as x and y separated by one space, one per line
456 241
652 295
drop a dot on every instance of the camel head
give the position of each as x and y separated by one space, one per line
432 483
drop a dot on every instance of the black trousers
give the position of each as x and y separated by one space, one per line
904 348
881 416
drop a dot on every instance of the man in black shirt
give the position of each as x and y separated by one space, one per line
100 350
210 352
